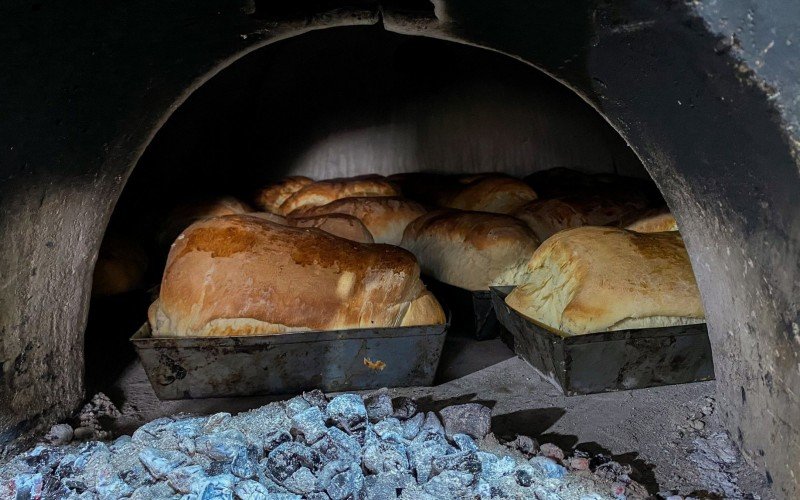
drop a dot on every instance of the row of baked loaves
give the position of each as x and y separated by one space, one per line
267 273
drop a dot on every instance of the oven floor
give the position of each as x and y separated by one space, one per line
669 435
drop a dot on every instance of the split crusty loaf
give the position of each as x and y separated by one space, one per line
385 217
184 215
595 279
244 275
343 226
650 221
471 250
324 192
494 193
273 196
547 217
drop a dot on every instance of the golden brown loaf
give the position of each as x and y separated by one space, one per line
385 217
547 217
488 193
471 250
341 225
184 215
273 196
595 279
245 275
650 221
323 192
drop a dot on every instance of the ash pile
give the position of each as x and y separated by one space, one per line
311 447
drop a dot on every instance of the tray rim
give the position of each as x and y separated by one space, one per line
610 336
143 338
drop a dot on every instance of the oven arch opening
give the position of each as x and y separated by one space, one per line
375 102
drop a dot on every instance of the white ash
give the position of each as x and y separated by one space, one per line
310 447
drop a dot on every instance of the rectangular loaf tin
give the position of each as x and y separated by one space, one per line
341 360
474 315
607 361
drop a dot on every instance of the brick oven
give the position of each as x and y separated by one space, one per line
113 115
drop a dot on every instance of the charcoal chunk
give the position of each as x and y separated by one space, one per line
316 398
471 419
161 462
432 423
346 484
387 427
412 426
284 460
216 488
272 440
244 464
295 406
182 478
379 487
301 481
251 490
310 424
348 413
404 408
548 467
382 456
449 484
464 461
222 445
379 405
525 445
465 443
523 477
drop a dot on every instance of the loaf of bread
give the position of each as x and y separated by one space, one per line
184 215
595 279
244 275
471 250
386 217
655 220
324 192
273 196
341 225
547 217
494 193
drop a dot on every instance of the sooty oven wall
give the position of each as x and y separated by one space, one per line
709 113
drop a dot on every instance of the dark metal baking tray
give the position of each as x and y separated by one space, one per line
369 358
608 361
473 314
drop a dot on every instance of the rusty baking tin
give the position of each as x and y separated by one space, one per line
369 358
607 361
474 316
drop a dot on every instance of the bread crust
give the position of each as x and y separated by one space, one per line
245 275
323 192
650 221
271 197
547 217
594 279
471 250
385 217
341 225
493 193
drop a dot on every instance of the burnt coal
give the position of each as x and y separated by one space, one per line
471 419
310 447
